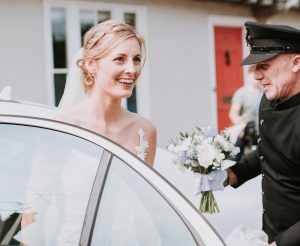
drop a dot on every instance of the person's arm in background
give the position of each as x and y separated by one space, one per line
235 113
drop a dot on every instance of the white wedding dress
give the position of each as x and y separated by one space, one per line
58 194
246 237
77 195
77 181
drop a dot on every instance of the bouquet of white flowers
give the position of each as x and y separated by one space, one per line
207 154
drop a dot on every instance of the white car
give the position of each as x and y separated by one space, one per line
64 185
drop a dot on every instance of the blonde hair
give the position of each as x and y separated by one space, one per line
100 40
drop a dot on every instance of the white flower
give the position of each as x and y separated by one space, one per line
220 157
208 150
198 138
235 151
180 166
203 147
186 144
208 140
222 143
171 148
206 154
190 152
195 164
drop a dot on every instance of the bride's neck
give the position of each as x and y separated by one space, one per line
104 109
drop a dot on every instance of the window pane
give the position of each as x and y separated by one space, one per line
45 180
131 102
58 23
59 86
129 18
87 20
103 16
132 212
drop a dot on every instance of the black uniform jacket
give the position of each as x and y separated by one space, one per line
277 158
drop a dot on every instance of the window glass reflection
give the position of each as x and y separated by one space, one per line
132 212
59 86
131 102
103 16
87 21
45 182
58 24
129 18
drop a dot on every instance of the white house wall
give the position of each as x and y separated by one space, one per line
291 18
22 63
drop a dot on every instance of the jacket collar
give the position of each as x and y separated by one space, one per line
289 103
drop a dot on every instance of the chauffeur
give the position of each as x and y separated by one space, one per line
275 49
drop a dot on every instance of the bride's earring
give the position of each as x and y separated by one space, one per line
92 74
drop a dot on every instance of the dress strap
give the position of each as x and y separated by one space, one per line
143 143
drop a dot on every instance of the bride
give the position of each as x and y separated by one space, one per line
109 65
103 72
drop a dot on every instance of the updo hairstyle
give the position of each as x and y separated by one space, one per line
100 40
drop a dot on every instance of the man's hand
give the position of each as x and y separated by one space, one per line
232 178
273 244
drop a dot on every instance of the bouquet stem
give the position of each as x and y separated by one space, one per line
208 203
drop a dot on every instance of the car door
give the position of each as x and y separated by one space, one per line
63 185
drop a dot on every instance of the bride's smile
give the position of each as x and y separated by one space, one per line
122 68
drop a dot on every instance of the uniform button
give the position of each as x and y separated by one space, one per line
263 210
258 140
261 158
262 193
262 121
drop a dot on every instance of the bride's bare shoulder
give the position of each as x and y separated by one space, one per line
147 125
66 118
61 117
72 115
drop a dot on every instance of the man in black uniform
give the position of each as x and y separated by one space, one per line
275 49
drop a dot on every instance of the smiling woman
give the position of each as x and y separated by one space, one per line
106 71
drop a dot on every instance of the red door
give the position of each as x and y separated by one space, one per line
229 72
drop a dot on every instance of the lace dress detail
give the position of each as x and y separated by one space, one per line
141 148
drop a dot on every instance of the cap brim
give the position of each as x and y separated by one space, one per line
255 58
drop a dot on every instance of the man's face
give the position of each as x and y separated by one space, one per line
277 77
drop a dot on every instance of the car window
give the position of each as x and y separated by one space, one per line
46 178
132 212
